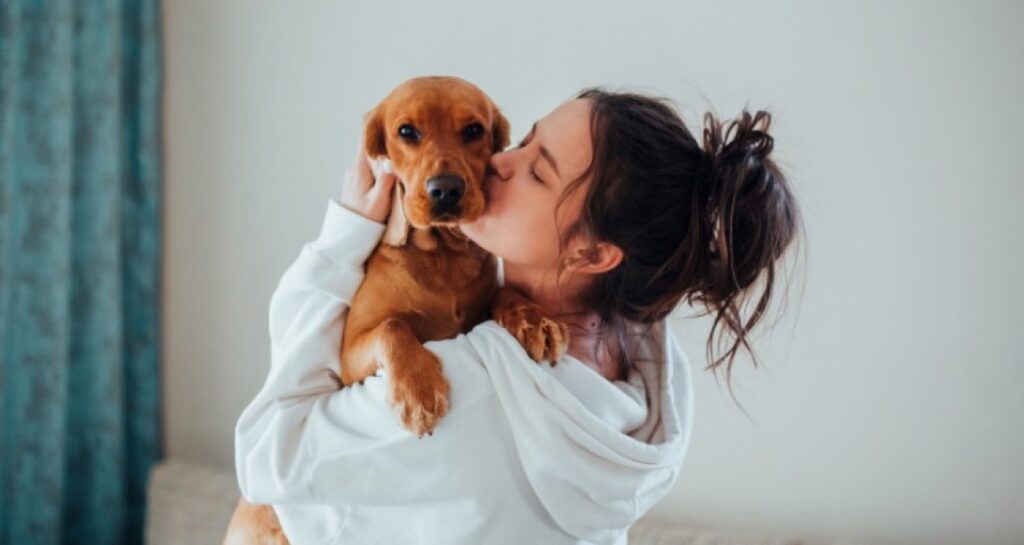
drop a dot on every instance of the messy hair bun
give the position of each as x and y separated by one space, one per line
695 223
750 218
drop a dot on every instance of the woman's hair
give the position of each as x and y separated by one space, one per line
699 222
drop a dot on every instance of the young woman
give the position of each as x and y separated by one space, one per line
608 214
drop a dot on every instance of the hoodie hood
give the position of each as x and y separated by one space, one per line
624 459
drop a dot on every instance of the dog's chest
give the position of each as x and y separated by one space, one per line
439 293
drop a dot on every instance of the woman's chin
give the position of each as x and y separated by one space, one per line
473 231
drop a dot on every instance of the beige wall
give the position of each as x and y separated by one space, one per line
889 409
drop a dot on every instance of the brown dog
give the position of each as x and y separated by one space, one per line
425 280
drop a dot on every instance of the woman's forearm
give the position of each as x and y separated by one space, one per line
307 313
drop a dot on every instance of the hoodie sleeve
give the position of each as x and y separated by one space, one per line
306 439
307 313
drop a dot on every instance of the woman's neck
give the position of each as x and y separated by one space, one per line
589 340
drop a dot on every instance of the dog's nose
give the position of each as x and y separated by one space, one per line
445 190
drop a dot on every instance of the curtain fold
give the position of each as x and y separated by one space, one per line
79 268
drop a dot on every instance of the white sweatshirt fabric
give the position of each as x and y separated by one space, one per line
528 453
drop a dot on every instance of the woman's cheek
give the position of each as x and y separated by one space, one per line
534 233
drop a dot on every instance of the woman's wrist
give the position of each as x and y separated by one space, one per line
347 237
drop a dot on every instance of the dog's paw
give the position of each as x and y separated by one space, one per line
419 393
542 337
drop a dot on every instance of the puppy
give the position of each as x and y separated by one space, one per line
425 280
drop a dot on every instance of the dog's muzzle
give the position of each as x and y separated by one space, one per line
445 192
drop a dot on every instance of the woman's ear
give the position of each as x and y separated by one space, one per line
602 257
373 134
499 131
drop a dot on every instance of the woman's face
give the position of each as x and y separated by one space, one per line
518 223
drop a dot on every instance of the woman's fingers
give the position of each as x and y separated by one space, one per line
364 173
371 171
368 187
385 183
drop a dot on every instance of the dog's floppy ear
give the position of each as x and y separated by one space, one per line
396 233
499 131
373 134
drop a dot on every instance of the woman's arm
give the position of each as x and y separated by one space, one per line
304 440
302 425
307 312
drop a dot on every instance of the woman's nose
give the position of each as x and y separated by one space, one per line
498 164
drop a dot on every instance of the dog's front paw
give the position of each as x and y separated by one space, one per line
419 392
543 338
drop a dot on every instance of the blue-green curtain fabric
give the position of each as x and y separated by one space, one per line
79 268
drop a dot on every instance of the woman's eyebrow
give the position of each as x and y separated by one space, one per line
547 154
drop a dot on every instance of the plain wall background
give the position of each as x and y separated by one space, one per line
889 407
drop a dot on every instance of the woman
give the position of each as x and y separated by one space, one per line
607 215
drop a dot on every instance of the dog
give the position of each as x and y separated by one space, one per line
425 280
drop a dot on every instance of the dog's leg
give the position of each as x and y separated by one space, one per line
254 525
542 337
418 389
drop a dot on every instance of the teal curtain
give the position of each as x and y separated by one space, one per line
79 268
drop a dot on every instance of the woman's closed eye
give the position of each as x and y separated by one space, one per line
533 171
534 174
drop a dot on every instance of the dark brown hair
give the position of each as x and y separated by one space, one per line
696 223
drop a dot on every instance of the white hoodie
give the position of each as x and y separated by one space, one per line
528 453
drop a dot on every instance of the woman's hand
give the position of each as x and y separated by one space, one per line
365 193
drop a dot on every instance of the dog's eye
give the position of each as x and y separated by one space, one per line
473 132
408 132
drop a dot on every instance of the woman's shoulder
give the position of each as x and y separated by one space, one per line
478 352
470 349
464 356
464 345
487 332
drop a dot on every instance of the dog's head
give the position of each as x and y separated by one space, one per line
439 133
